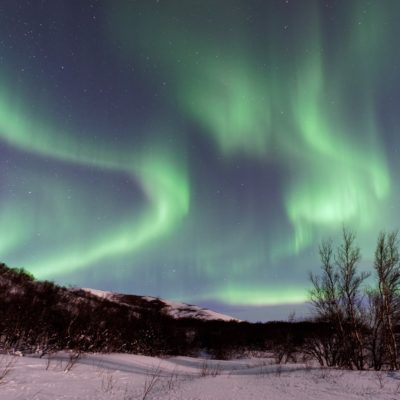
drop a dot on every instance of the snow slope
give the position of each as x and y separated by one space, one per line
183 310
126 377
172 308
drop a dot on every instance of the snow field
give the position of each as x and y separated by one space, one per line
132 377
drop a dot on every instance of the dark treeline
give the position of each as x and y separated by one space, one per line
43 317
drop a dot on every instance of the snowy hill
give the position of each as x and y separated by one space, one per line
42 317
173 309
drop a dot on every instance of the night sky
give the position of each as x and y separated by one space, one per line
197 150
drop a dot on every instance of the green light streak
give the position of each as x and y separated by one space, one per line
286 100
168 194
300 101
343 179
233 107
262 295
163 181
12 237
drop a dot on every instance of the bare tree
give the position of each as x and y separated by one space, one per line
325 297
374 322
386 299
337 298
347 259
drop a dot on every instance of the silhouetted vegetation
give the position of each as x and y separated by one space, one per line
362 324
43 317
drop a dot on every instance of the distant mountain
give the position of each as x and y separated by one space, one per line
42 317
173 309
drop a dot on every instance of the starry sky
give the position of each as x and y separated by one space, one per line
196 150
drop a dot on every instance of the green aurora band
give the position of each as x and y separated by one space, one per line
295 99
164 184
292 110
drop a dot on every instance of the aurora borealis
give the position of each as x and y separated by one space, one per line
196 150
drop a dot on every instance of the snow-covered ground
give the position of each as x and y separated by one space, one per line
131 377
174 309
